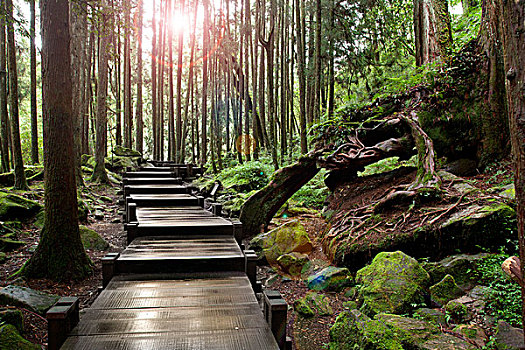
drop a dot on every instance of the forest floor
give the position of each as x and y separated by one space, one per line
111 229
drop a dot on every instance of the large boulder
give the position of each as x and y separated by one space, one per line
125 152
468 230
293 263
392 283
354 330
287 238
28 298
13 206
463 267
10 339
331 278
508 337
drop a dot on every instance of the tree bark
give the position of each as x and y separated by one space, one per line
20 177
34 111
139 138
432 30
128 104
4 117
60 254
513 23
205 52
179 152
154 83
301 75
99 172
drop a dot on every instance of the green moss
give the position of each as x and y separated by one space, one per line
91 239
445 290
457 311
13 206
392 283
302 307
10 339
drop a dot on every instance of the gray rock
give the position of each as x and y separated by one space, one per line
508 337
431 315
33 300
462 167
330 278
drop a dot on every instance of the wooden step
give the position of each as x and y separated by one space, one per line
155 189
158 200
181 254
151 181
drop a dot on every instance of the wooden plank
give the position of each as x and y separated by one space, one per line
155 189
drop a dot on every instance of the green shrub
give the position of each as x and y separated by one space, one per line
313 194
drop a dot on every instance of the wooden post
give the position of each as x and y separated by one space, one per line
108 268
132 212
237 230
216 209
251 268
276 313
200 201
61 319
132 229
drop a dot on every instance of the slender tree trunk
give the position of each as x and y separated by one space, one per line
128 104
513 23
317 89
171 107
4 116
60 254
34 117
139 138
301 75
20 177
179 151
99 172
331 64
118 80
205 52
154 84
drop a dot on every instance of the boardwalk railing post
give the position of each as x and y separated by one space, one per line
216 209
200 200
131 212
251 268
189 170
276 309
108 268
61 319
132 230
237 230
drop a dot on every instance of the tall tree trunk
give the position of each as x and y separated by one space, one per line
301 75
128 104
139 138
99 172
205 52
118 79
171 106
34 112
432 30
331 64
513 23
4 116
179 151
154 84
60 254
20 177
317 74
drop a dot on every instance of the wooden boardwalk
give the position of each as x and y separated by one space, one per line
182 282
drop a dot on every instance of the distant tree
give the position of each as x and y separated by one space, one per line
99 172
139 137
20 177
432 30
4 116
60 254
34 113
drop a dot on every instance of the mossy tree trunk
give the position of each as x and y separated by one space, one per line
260 208
513 15
60 254
20 177
4 117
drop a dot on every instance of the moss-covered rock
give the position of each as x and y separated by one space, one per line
3 257
445 290
125 152
9 243
431 315
409 331
354 330
302 307
393 283
28 298
83 210
17 207
319 303
287 238
92 240
463 267
331 278
293 263
10 339
13 317
458 311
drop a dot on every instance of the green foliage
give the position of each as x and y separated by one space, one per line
504 302
465 27
313 194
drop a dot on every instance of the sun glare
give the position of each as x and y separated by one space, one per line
180 22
